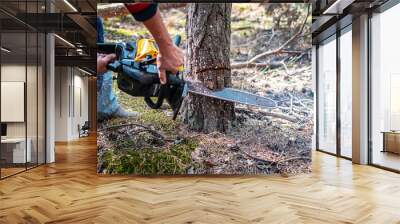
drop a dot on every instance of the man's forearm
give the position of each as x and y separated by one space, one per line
159 32
170 57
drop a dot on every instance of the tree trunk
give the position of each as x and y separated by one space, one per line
208 49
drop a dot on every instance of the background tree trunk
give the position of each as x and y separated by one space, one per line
208 60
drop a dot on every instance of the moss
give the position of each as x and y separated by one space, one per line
126 32
141 155
241 7
156 118
150 161
159 121
184 149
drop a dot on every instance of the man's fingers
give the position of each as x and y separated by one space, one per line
109 57
175 70
102 61
162 75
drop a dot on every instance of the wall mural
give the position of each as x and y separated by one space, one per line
204 88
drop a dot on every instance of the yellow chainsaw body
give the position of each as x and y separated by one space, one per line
146 49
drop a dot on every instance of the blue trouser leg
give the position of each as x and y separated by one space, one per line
107 102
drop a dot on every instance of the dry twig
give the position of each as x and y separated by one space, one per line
283 46
270 114
147 129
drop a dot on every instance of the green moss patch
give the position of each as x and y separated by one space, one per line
158 119
176 159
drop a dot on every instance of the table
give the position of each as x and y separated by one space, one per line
13 150
391 141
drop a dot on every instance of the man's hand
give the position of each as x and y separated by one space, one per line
170 56
102 61
169 59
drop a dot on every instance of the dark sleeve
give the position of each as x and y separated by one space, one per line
142 11
100 30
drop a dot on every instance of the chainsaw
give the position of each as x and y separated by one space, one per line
137 75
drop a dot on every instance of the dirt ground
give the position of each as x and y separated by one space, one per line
262 141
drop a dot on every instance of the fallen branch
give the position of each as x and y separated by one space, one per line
111 10
278 164
281 48
270 114
258 159
242 28
293 158
147 129
268 164
123 125
280 116
248 64
118 9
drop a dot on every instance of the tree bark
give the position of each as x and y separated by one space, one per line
208 49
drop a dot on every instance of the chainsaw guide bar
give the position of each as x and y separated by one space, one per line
231 95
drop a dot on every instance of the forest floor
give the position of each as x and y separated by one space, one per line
262 141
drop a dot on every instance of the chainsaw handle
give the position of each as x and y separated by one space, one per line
149 78
160 98
114 66
153 105
106 48
177 40
171 78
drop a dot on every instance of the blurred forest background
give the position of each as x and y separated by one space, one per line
270 56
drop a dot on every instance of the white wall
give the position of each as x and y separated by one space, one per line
16 73
33 127
62 81
80 109
10 73
71 102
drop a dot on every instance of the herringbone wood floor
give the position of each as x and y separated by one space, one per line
70 191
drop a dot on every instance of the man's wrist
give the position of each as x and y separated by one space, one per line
164 44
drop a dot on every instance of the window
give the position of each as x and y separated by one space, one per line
22 76
385 89
327 96
346 93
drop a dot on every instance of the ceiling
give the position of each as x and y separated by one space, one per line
331 15
72 20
